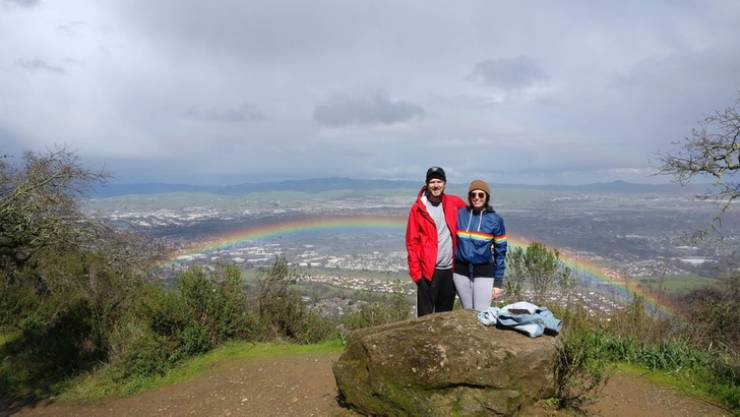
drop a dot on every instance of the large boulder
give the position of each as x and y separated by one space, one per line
444 364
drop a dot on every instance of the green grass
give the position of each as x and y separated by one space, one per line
676 363
98 385
8 336
678 284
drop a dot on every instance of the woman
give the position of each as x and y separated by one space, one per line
480 259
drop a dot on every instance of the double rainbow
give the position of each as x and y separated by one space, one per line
623 285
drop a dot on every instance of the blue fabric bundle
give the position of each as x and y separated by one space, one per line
524 317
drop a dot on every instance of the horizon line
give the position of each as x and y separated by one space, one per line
420 181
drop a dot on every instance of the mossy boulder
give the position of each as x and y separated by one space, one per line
444 364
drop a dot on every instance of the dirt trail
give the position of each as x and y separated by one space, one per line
635 396
627 395
303 385
286 385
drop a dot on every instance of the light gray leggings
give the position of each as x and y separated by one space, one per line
474 293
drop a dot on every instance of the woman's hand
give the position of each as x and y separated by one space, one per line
498 293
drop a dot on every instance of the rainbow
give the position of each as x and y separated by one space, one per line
624 286
239 237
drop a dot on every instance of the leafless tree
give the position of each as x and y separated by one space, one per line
713 149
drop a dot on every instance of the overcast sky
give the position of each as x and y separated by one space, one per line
228 91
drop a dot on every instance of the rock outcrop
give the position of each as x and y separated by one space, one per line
444 364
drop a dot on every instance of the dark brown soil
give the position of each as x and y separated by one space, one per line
303 385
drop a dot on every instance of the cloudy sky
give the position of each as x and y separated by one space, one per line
230 91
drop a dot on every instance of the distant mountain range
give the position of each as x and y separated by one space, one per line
329 184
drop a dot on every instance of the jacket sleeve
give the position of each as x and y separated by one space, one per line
499 251
459 203
413 241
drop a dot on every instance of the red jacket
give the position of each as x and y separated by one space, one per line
421 235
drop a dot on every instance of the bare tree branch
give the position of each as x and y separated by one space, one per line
39 204
712 150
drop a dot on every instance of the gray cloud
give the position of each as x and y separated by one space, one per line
72 61
598 99
36 64
23 3
376 110
508 73
71 29
668 73
244 113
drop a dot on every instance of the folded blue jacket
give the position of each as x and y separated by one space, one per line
524 317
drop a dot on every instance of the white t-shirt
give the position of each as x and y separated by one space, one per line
444 239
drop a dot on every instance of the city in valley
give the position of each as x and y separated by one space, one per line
636 236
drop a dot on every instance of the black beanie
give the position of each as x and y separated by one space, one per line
436 173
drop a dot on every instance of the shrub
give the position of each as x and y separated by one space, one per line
389 310
49 349
145 354
579 370
167 326
711 309
235 320
193 340
541 267
282 312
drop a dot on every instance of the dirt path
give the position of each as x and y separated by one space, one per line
303 385
287 385
634 396
627 395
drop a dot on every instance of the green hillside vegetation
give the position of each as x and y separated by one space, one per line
679 284
84 315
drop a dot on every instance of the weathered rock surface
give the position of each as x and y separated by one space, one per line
444 364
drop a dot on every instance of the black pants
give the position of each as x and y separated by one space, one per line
435 296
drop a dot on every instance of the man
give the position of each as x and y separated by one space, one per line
430 243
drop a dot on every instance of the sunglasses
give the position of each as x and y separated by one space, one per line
477 194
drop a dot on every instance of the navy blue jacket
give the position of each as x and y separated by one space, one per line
481 239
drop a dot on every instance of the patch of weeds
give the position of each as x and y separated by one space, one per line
579 371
